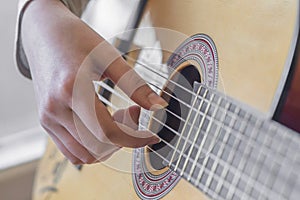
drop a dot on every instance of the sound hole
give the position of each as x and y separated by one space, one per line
177 110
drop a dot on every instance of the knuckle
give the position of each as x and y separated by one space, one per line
45 120
48 107
66 89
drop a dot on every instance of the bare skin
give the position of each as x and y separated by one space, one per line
56 43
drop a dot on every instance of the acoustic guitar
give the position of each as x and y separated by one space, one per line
230 71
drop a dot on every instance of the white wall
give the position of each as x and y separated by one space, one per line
17 103
21 136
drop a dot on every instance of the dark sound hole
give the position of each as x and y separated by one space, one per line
186 77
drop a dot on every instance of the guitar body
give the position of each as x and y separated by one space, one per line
251 44
59 179
251 38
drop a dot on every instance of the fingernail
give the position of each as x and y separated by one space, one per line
157 101
155 141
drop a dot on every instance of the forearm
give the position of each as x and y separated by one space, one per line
49 28
75 6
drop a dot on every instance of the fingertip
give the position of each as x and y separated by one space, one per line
134 112
155 140
156 101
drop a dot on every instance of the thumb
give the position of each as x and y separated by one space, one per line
134 86
128 117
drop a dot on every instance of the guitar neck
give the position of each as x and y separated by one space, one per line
230 153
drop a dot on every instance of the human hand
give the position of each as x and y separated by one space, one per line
65 56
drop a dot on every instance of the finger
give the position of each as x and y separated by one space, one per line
73 159
128 137
72 145
74 126
133 85
99 121
120 133
101 151
128 117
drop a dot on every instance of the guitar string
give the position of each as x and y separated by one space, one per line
225 182
190 131
150 69
159 74
176 133
197 163
188 91
107 87
159 155
244 155
175 84
184 128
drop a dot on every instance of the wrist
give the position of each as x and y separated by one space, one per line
44 20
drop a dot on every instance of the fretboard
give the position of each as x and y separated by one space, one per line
229 152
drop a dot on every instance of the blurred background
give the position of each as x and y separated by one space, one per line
22 140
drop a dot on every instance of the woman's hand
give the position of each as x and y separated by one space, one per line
65 56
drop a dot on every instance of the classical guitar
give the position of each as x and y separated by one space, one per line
230 71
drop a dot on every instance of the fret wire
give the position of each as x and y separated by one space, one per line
250 179
209 127
183 120
250 183
269 174
219 129
216 121
230 156
296 159
216 162
210 192
213 193
200 126
232 170
244 155
241 166
243 177
153 70
209 117
235 170
198 131
270 135
285 164
206 189
183 129
285 185
270 192
207 182
231 115
282 161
